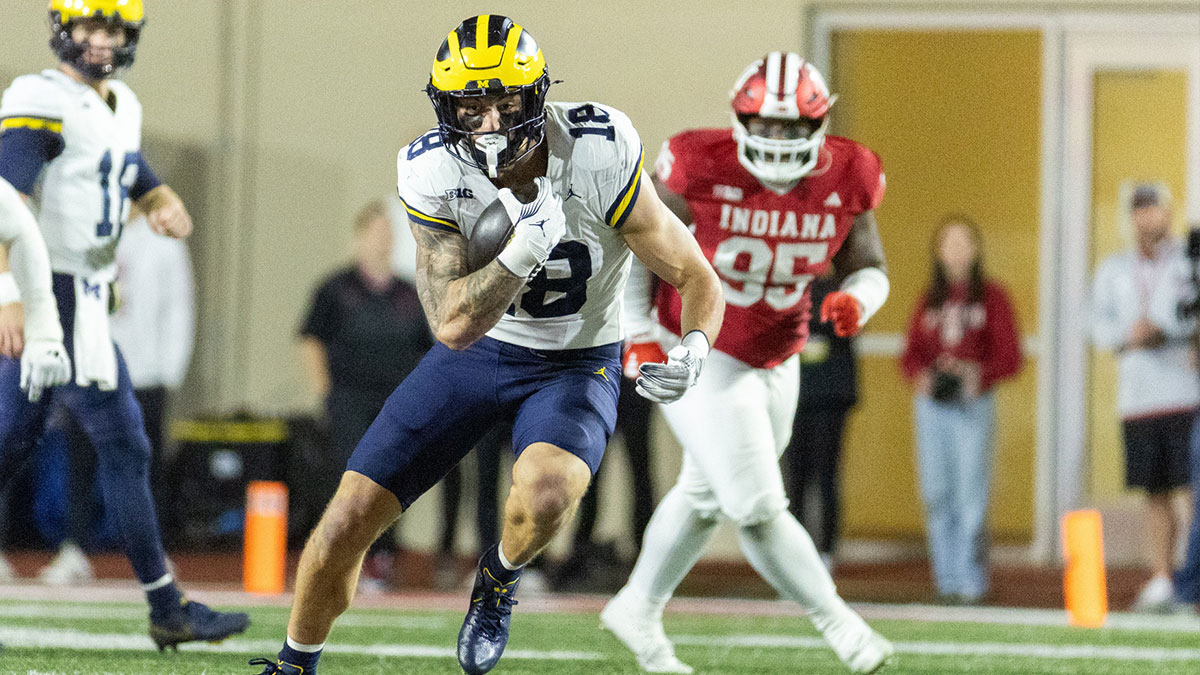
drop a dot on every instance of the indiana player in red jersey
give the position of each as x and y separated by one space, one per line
774 202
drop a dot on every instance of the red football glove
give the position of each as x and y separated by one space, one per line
844 311
639 353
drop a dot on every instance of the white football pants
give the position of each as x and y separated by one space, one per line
733 425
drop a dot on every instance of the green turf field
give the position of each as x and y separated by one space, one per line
54 637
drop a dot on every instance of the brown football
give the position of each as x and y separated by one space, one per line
493 229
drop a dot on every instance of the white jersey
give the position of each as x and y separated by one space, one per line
82 198
595 165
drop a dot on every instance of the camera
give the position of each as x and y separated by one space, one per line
947 387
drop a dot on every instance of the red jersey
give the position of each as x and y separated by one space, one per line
764 246
984 331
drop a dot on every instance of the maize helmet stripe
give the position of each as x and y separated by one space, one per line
129 10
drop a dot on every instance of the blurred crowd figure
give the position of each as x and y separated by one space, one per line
1157 386
1174 310
363 333
828 391
962 340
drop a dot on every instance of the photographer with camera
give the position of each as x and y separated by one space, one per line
962 340
1174 309
1157 387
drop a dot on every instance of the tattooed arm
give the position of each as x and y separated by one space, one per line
460 307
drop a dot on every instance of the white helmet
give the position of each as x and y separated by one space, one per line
783 86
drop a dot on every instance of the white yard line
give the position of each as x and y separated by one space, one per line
109 612
1014 616
1041 651
43 638
220 595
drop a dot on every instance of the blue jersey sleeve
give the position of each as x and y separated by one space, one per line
31 126
25 147
146 179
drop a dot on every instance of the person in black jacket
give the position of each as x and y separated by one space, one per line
363 334
828 391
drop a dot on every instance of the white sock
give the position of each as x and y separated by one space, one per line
784 555
674 540
162 581
307 649
504 561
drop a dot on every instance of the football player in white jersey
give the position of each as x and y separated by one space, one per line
532 338
44 361
72 136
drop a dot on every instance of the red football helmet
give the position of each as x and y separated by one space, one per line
780 86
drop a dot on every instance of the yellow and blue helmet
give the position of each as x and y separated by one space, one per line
129 15
489 55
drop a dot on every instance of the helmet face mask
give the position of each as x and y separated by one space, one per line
122 16
489 61
787 95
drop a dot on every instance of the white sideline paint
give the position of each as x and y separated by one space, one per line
1021 649
73 639
42 638
94 596
1016 616
93 611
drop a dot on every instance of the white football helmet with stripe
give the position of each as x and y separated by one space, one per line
780 86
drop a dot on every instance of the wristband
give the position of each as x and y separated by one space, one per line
870 287
9 293
697 342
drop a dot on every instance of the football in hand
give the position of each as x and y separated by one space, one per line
493 229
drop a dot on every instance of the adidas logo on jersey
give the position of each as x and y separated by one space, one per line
787 224
833 201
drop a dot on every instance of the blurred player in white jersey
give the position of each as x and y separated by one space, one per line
533 336
44 361
774 202
72 137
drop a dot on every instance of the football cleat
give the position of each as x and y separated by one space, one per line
280 668
484 631
859 647
69 568
642 632
193 622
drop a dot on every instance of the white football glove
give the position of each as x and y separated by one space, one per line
538 227
668 382
44 364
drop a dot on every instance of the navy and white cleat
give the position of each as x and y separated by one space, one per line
484 631
280 668
193 622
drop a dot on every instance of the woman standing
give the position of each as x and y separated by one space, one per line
962 340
